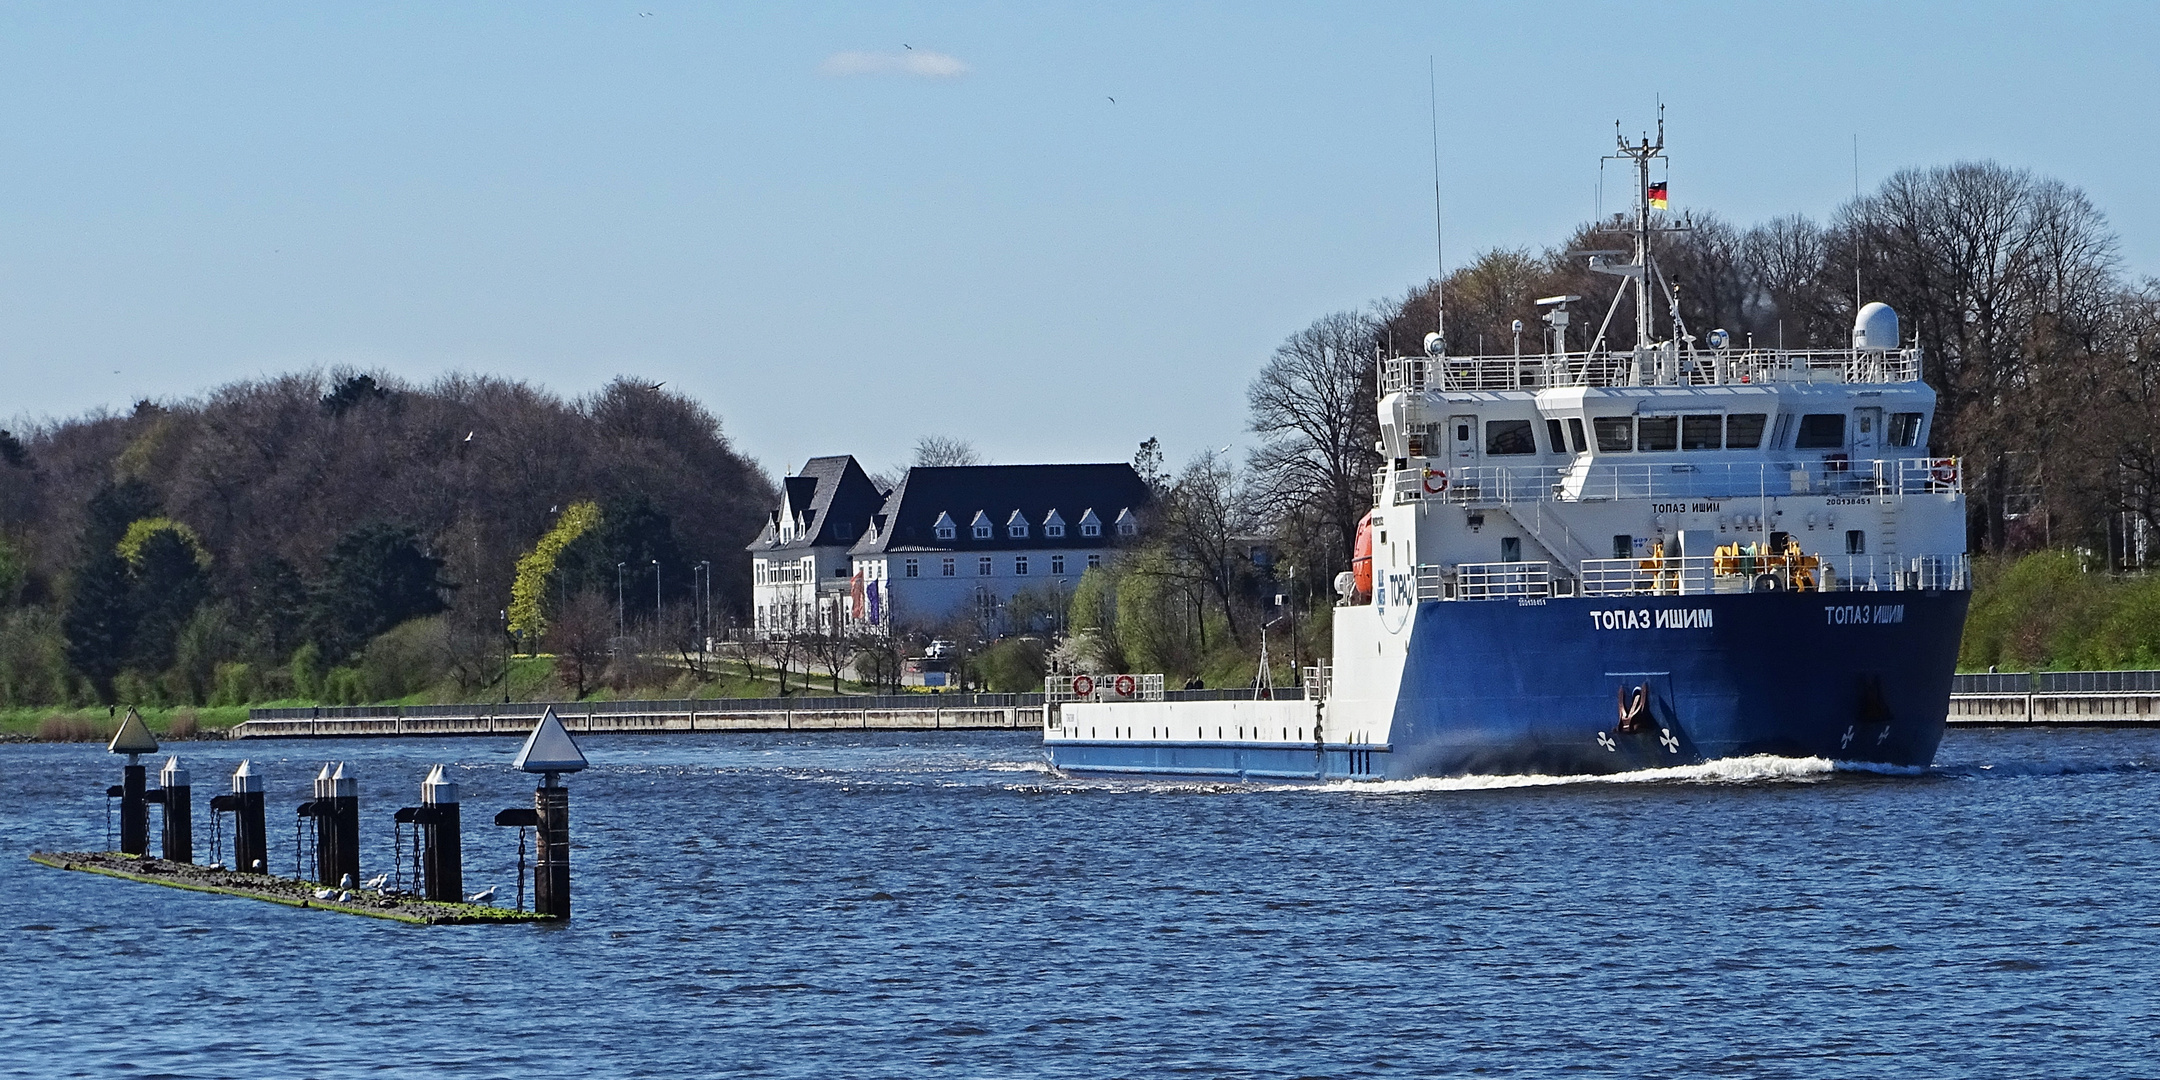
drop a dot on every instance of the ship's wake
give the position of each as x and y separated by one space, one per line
1752 769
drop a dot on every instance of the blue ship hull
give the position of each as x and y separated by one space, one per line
1501 688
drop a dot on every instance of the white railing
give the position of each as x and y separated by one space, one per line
1605 480
1502 580
1091 687
1745 573
1662 366
1655 577
1319 680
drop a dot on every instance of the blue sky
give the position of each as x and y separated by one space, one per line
840 243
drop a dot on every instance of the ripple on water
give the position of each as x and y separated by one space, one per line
944 904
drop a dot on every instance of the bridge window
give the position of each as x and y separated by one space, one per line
1511 549
1855 542
1575 435
1614 433
1623 546
1657 433
1743 431
1509 437
1905 429
1702 432
1821 431
1558 436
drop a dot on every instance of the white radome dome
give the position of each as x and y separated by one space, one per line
1876 328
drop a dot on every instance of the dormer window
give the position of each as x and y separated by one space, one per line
1127 524
1090 525
946 528
1016 526
984 530
1054 526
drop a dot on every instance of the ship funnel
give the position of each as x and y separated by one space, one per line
1875 329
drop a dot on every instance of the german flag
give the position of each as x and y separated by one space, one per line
1657 195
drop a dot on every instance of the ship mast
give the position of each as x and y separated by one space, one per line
1641 154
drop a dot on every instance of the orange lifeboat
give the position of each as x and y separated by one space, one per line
1361 559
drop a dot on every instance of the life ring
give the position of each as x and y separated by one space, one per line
1083 686
1432 475
1124 685
1946 471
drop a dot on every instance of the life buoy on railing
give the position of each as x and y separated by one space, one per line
1435 481
1124 685
1946 471
1083 686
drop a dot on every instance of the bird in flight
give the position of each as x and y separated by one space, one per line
907 46
657 385
1113 101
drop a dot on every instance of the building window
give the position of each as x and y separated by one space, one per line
1743 431
983 531
1615 434
1509 437
1057 564
1094 561
982 566
1054 529
839 571
913 567
1905 429
1128 528
945 532
949 570
1821 431
1020 565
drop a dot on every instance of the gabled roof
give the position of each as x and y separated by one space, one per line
829 503
999 492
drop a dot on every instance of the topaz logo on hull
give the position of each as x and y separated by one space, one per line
1651 619
1863 614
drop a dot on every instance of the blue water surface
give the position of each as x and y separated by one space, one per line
939 904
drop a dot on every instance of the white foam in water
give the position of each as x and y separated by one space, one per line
1756 768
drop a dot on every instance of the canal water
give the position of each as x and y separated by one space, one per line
940 905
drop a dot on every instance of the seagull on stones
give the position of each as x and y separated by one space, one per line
345 882
376 882
483 896
323 894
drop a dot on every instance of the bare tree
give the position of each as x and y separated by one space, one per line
581 636
1316 409
935 451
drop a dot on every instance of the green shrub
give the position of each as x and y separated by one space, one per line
406 659
33 659
132 687
234 684
1013 666
307 672
343 686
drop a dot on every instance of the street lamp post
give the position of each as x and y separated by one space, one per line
621 625
656 593
705 607
506 655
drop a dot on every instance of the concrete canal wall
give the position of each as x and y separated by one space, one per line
896 712
2089 697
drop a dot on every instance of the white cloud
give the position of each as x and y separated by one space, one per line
917 62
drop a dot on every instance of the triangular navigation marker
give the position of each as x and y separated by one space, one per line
549 749
133 737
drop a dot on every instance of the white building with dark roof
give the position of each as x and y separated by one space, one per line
799 565
947 543
919 566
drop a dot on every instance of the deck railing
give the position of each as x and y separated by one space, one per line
1661 366
1605 480
1675 576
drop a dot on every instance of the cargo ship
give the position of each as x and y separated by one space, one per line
1609 559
